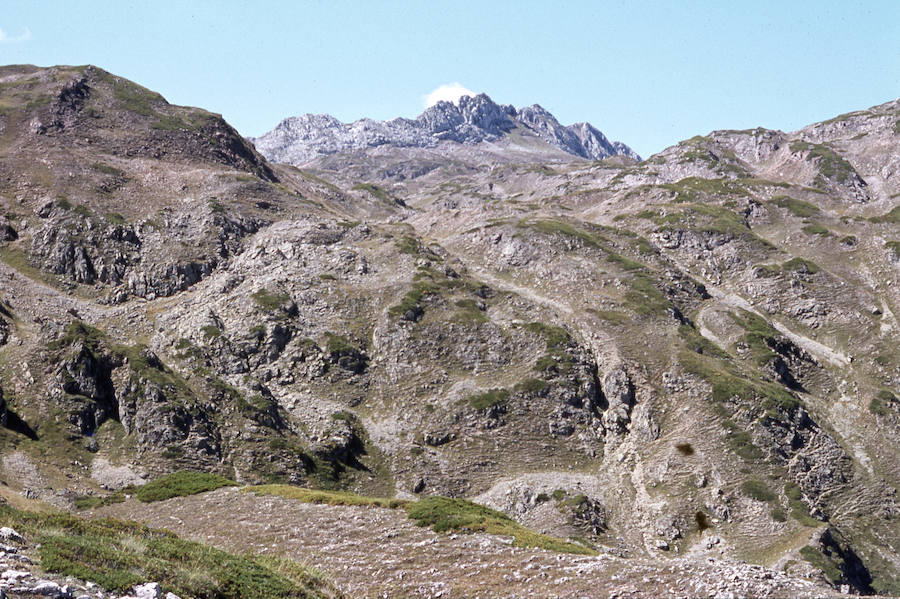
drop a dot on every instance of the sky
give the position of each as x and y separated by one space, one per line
646 73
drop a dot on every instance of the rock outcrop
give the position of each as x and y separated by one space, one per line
475 119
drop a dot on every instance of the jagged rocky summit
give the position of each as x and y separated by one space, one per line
476 119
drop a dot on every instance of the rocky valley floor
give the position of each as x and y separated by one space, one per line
377 552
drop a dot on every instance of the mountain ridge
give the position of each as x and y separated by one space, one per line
473 120
685 359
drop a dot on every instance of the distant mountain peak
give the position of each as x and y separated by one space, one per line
470 120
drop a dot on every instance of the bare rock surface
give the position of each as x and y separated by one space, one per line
473 120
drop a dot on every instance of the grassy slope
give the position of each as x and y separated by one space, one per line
118 555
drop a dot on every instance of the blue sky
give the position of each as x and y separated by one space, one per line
646 73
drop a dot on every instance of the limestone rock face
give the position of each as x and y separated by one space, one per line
474 120
2 409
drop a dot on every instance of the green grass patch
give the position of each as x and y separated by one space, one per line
180 484
78 332
799 511
559 228
339 346
796 207
118 555
90 502
741 443
692 189
758 335
756 489
882 402
894 248
488 399
378 192
531 386
801 265
556 338
165 122
211 331
82 211
409 305
709 218
816 230
135 98
611 316
442 514
115 218
831 165
408 245
106 169
19 260
469 310
445 514
699 344
892 217
269 301
822 562
644 298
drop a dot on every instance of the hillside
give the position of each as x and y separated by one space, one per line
688 357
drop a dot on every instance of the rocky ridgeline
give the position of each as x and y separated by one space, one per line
475 119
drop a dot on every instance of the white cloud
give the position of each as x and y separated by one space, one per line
449 92
26 35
